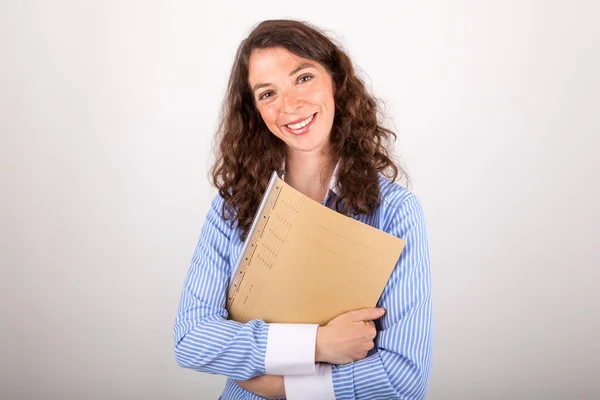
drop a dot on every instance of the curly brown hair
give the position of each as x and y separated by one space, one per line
248 153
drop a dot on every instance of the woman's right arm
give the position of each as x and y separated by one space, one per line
207 342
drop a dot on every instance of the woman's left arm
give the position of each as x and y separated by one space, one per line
399 368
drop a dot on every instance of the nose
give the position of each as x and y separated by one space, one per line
291 102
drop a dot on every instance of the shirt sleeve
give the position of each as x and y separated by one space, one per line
317 387
399 366
204 339
291 349
207 342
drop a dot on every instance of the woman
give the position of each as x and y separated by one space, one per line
294 100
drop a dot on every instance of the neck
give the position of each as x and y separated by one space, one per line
309 173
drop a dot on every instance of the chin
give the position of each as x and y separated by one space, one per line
307 145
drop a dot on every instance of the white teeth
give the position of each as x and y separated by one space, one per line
300 124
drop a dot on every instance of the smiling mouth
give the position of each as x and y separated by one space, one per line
300 124
301 127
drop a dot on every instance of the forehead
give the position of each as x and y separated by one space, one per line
267 64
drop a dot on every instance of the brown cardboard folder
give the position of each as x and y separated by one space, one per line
305 263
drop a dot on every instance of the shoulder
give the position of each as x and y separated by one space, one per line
216 221
221 207
216 206
393 194
398 206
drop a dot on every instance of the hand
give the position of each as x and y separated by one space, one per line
348 337
268 386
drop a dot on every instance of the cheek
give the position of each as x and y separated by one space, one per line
324 96
269 114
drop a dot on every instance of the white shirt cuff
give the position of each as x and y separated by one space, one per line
291 349
319 387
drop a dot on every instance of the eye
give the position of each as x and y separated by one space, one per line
265 95
305 78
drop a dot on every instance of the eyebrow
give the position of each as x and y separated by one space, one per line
295 70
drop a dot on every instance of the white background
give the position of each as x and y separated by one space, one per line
107 112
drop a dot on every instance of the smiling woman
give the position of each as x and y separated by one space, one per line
283 73
295 104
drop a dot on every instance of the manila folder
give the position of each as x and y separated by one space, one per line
305 263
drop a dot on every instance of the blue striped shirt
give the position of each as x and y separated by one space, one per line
397 367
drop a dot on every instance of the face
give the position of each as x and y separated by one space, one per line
294 96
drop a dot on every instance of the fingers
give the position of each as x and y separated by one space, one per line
367 314
371 330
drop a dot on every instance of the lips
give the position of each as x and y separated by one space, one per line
299 123
301 126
